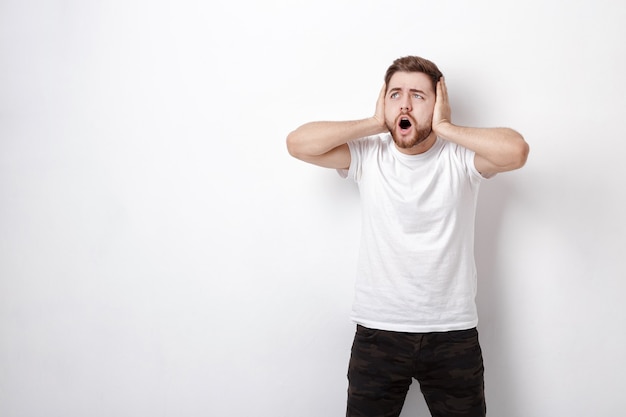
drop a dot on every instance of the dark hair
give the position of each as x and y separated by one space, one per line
414 64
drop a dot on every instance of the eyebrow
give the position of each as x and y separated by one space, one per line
412 90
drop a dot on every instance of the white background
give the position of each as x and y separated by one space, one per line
162 255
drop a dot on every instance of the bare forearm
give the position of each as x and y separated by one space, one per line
317 138
503 148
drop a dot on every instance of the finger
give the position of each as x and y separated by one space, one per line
380 104
440 91
444 87
381 95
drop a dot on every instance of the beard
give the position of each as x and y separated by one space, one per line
419 135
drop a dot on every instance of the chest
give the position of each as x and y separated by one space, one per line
419 197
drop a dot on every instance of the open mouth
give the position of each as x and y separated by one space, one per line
405 123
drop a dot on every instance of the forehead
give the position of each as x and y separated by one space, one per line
411 80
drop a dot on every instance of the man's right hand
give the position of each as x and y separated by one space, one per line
379 116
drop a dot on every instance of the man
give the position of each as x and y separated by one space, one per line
418 176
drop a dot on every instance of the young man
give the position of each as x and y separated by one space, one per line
418 176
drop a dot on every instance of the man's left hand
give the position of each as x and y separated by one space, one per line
442 114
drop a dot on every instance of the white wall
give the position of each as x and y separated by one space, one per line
162 255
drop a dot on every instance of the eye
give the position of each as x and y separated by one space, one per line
418 96
394 95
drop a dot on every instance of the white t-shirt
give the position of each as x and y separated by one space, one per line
416 270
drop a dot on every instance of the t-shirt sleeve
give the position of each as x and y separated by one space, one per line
467 157
358 149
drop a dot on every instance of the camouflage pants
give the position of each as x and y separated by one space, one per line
447 365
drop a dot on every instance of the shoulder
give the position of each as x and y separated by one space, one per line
370 143
463 157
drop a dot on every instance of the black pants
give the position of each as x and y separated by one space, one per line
447 365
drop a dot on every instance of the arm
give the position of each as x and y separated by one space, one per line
325 143
497 149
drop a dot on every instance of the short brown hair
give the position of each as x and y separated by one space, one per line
414 64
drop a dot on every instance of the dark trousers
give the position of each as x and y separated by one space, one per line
447 365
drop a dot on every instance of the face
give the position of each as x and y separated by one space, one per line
409 104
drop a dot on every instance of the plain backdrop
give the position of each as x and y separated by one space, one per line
161 254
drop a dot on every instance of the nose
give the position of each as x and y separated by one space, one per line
406 106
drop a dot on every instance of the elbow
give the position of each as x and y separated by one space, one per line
293 145
517 152
521 152
299 146
514 156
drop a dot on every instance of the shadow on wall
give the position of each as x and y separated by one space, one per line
491 299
